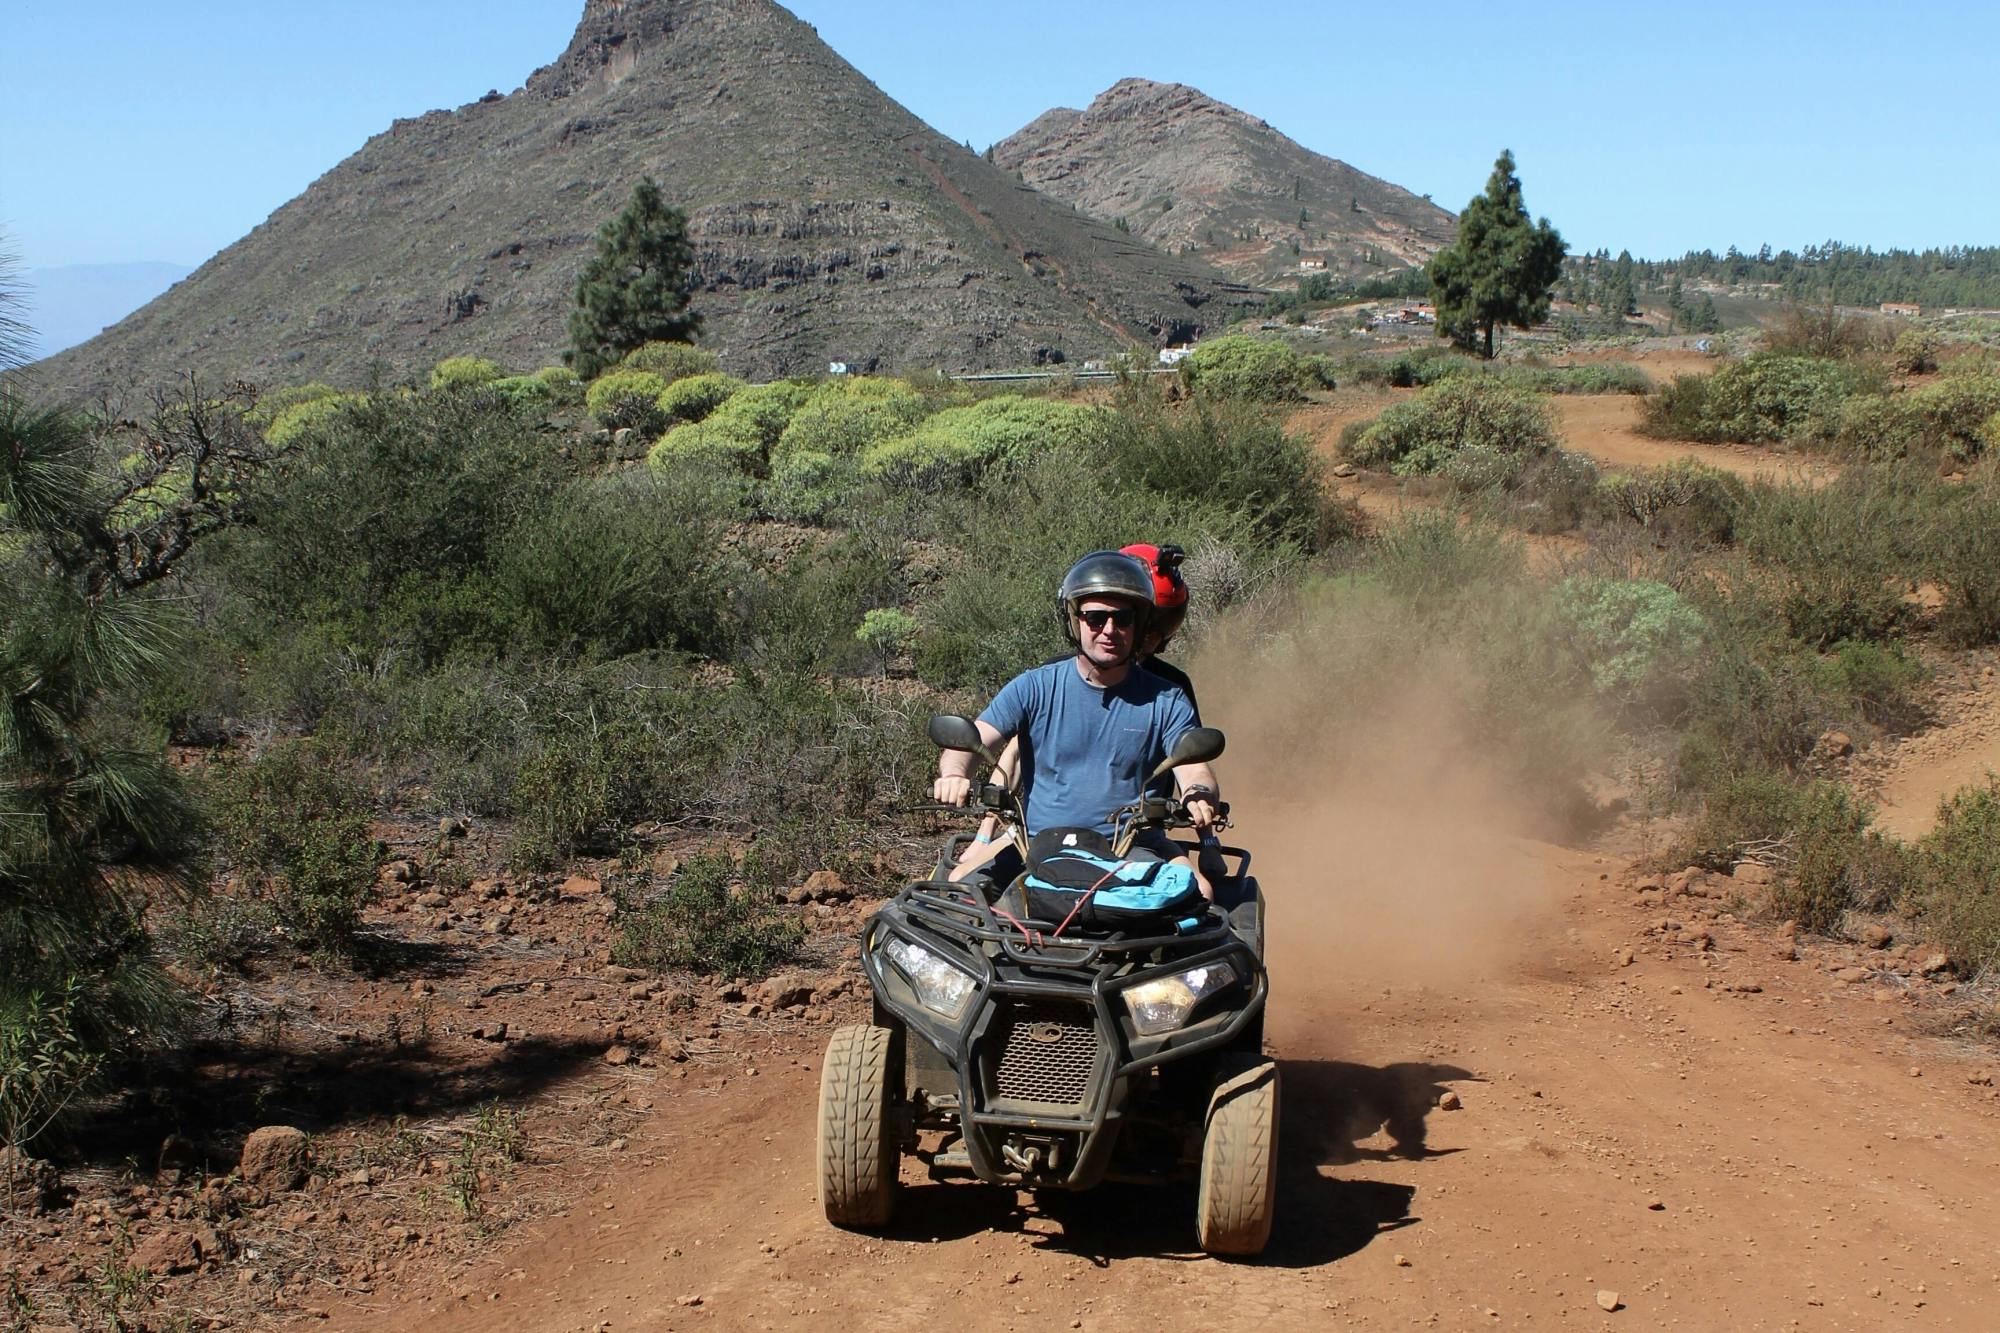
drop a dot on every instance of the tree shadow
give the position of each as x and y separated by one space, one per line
214 1093
1329 1108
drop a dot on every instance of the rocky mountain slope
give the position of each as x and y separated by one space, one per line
830 224
1194 175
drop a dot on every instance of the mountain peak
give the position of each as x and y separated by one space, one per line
1198 176
828 224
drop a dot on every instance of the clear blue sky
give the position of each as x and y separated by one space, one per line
164 131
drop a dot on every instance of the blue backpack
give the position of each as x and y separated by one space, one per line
1074 870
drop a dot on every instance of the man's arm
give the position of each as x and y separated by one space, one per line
1201 809
954 779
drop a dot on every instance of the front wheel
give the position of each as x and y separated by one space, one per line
858 1157
1239 1158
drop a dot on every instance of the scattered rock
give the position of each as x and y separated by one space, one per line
1933 964
1622 957
275 1157
167 1252
1916 1071
1836 744
21 1174
1608 1301
581 886
451 826
1875 935
690 1300
1751 872
826 887
784 991
1448 1101
1853 976
433 899
618 1055
396 873
1656 1205
490 1032
1343 470
1401 1261
421 988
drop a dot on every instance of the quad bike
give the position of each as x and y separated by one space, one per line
1048 1054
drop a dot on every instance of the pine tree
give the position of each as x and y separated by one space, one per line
90 823
635 288
1501 268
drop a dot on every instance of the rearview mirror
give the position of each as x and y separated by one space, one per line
1197 745
948 731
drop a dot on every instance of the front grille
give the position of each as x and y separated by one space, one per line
1046 1051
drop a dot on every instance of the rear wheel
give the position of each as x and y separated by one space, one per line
858 1155
1239 1158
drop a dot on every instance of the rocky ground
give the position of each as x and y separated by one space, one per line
1647 1096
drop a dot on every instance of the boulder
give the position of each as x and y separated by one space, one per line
275 1157
1751 872
28 1178
1875 935
176 1251
581 886
824 886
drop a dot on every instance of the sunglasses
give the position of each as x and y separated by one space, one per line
1097 618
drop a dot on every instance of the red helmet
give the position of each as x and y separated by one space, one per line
1170 591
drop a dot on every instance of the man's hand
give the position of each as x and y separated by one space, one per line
1200 810
952 789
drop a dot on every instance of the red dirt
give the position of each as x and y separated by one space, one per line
1816 1159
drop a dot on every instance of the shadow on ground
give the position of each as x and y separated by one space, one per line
213 1095
1329 1109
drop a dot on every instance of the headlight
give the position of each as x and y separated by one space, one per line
1163 1005
941 988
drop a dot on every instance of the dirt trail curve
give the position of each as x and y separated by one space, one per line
1725 1138
1925 768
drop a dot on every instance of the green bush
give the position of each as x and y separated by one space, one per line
547 389
1635 637
808 487
1947 416
1915 351
710 446
270 405
620 564
844 417
693 398
1957 890
619 399
296 823
670 361
1235 456
704 922
1961 551
1761 399
461 372
1682 501
957 445
1238 366
381 525
1830 851
294 423
1874 679
1424 433
1836 550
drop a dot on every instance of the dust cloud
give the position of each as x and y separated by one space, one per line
1388 822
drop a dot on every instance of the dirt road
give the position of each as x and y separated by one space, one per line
1724 1138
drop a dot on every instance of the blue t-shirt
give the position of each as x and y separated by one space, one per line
1086 749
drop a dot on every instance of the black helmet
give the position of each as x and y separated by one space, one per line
1105 574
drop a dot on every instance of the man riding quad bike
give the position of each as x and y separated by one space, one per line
1080 1012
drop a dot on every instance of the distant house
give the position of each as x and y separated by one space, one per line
836 367
1173 356
1311 265
1909 308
